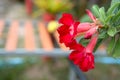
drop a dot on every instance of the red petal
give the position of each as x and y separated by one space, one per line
76 57
87 63
75 46
65 39
62 30
73 55
66 19
64 34
84 66
76 27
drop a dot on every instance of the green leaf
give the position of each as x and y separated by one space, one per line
116 19
102 14
109 18
116 52
114 1
112 8
95 10
111 31
115 22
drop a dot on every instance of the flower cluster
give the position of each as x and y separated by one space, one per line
70 29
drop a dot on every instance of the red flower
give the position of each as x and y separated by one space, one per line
84 58
67 31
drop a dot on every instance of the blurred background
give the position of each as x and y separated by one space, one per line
28 31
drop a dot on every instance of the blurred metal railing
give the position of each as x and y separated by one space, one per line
56 52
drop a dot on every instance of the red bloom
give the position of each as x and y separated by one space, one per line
68 31
84 58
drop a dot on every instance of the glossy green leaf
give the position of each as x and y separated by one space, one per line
111 31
